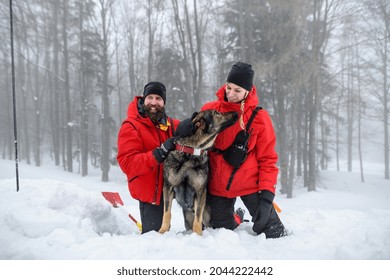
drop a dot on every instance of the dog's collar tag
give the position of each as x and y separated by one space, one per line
197 152
189 150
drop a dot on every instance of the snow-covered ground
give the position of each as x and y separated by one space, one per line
58 215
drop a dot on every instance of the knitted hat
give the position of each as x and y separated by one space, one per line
241 74
155 88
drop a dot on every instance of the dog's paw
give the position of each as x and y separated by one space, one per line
197 228
163 230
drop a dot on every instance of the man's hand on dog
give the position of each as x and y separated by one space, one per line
163 151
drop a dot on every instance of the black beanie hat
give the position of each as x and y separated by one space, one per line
155 88
241 74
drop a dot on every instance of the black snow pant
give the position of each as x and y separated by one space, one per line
222 214
151 216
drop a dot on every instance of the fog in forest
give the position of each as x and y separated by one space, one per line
322 71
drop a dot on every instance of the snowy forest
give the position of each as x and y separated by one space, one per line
322 70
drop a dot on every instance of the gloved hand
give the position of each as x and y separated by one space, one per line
263 211
186 127
162 152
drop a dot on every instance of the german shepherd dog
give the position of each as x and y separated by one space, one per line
186 170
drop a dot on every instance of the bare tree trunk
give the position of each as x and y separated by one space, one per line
314 99
293 144
338 133
118 79
199 44
68 117
24 127
300 139
312 135
360 137
37 102
8 143
339 99
106 149
192 52
48 91
322 157
360 102
186 67
379 35
320 36
343 96
131 57
305 156
281 128
55 108
350 111
28 86
84 99
151 31
386 100
131 69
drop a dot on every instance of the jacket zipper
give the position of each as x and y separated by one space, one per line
158 172
132 179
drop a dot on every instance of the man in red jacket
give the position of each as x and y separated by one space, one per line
144 141
255 179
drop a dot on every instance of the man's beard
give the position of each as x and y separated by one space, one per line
154 116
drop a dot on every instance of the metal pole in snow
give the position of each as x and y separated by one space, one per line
13 94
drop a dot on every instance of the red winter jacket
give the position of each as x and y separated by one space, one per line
259 171
137 138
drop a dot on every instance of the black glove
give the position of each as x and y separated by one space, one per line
162 152
263 211
186 127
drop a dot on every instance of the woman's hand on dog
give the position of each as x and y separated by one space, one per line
186 127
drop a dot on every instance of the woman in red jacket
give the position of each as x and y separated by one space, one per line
255 179
144 141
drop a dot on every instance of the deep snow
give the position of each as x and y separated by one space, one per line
60 215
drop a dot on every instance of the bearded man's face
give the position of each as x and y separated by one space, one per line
154 107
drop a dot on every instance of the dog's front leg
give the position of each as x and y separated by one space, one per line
168 195
199 206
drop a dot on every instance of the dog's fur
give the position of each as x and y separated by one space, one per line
185 175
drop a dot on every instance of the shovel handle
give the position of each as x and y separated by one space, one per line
115 200
139 225
277 208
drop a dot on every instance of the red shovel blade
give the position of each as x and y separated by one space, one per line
113 198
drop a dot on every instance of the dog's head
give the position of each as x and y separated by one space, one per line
208 124
212 122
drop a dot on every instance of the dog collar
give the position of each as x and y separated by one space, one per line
189 150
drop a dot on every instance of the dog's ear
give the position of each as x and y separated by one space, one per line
198 120
198 123
194 114
203 120
196 117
